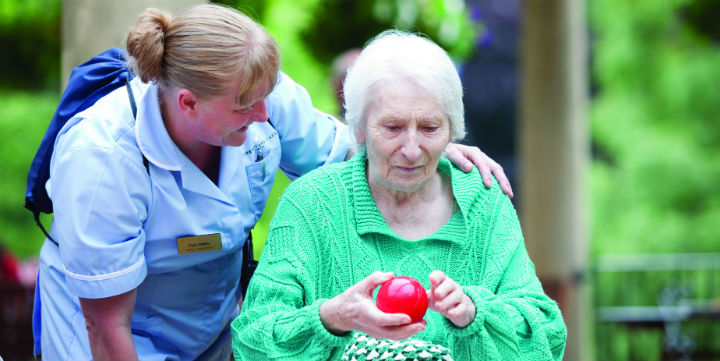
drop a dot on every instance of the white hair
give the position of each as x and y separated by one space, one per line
394 55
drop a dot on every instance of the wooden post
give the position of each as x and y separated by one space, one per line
92 26
554 156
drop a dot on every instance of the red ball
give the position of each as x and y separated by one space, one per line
403 294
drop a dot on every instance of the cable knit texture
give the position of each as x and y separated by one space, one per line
328 234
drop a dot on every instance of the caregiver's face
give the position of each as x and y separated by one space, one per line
405 133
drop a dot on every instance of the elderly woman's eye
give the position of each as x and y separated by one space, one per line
430 128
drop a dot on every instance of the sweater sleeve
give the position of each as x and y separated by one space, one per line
279 321
516 320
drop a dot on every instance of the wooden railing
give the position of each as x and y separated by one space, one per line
657 307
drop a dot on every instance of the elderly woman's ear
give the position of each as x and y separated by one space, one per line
359 136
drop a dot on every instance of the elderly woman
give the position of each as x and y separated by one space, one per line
397 208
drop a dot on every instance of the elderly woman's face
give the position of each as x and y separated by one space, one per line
405 133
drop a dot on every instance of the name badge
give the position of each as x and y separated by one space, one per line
197 244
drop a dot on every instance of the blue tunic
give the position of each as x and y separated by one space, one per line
118 226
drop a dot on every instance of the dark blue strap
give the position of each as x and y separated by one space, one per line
88 82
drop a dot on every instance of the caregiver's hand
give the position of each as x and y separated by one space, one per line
464 156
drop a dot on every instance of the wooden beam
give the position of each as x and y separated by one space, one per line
92 26
554 156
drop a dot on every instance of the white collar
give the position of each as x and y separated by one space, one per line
152 137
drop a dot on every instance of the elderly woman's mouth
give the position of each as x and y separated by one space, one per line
408 170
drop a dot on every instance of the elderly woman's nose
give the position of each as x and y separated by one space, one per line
411 148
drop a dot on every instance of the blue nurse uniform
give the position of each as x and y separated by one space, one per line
118 223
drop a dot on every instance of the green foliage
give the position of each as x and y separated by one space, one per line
18 11
656 130
702 15
252 8
339 25
285 20
30 38
23 120
656 125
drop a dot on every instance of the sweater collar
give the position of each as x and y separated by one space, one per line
369 220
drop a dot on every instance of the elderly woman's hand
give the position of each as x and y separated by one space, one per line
447 298
354 310
464 156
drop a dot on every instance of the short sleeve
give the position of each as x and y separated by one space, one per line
100 198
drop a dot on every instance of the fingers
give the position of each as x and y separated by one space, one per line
371 282
465 156
354 309
450 301
436 277
445 292
448 298
397 332
457 154
383 319
368 310
486 166
440 287
499 173
460 310
492 167
381 325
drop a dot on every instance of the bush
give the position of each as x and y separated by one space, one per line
23 120
654 121
30 37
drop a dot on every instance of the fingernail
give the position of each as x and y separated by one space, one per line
467 166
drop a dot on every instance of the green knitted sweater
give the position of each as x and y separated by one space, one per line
327 235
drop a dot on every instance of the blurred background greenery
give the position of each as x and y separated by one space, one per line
654 119
655 126
655 129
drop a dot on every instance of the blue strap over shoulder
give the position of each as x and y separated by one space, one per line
88 82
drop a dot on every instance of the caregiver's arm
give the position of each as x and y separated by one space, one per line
108 326
309 138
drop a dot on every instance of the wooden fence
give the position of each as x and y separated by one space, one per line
657 307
